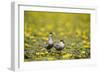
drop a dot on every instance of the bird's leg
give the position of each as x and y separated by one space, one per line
49 51
58 54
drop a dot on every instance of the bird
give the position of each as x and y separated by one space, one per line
59 46
50 43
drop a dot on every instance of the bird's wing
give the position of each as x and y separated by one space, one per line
56 45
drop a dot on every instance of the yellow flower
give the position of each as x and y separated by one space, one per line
42 48
50 58
78 32
34 40
45 42
88 43
46 52
32 37
37 53
72 44
83 52
26 34
87 46
63 52
27 45
42 53
84 41
67 55
45 38
84 37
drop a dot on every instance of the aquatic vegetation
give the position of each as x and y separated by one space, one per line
73 28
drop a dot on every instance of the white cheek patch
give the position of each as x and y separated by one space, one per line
62 44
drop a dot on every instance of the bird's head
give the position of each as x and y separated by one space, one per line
50 34
62 41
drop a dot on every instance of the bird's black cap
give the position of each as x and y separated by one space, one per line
50 33
62 41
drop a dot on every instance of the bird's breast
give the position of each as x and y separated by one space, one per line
50 41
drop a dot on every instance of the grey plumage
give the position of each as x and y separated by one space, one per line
59 45
49 44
